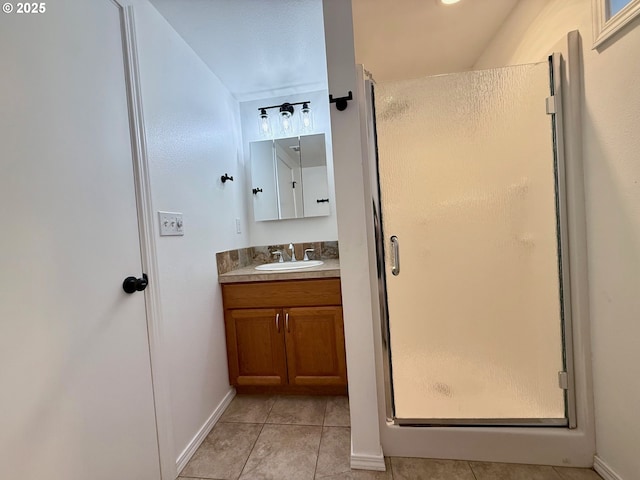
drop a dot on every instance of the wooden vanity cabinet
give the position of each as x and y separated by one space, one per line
285 336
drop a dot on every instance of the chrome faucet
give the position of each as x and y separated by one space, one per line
279 253
293 253
307 250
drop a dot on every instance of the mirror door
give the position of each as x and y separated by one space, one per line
264 190
289 178
313 157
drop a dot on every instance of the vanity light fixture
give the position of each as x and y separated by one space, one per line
286 113
264 124
448 2
286 121
306 119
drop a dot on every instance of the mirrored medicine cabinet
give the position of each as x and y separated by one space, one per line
289 178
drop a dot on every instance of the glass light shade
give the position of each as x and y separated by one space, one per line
306 119
286 122
264 125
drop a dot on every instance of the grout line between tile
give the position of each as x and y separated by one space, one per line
297 424
472 472
324 415
315 469
561 476
277 397
256 440
198 478
251 451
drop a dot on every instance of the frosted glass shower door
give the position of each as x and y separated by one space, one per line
467 185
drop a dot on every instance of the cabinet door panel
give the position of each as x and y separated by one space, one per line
315 346
255 347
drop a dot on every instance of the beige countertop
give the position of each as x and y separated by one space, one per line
330 268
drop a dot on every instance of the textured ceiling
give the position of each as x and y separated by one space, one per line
402 39
258 48
267 48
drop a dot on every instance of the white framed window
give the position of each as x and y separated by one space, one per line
609 16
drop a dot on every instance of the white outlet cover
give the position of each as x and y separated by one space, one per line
171 224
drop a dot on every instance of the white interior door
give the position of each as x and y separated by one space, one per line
76 396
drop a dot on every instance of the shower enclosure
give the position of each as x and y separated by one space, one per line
470 227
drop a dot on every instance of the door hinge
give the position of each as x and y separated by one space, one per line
551 105
563 380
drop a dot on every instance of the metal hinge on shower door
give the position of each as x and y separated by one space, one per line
551 105
563 380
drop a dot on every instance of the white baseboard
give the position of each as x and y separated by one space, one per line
196 441
604 470
368 462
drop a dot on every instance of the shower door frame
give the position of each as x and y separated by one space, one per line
554 109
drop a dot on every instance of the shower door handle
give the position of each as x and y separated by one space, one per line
395 249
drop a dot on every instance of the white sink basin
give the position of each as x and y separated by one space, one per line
277 267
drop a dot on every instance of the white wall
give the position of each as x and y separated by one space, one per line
193 137
611 106
366 451
300 229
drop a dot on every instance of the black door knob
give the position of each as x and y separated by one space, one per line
133 284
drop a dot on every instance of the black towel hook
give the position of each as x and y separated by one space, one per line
342 102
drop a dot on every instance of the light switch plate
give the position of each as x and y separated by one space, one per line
170 223
238 227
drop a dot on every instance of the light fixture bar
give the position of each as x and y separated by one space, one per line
286 118
285 103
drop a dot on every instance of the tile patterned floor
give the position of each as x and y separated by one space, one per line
304 438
